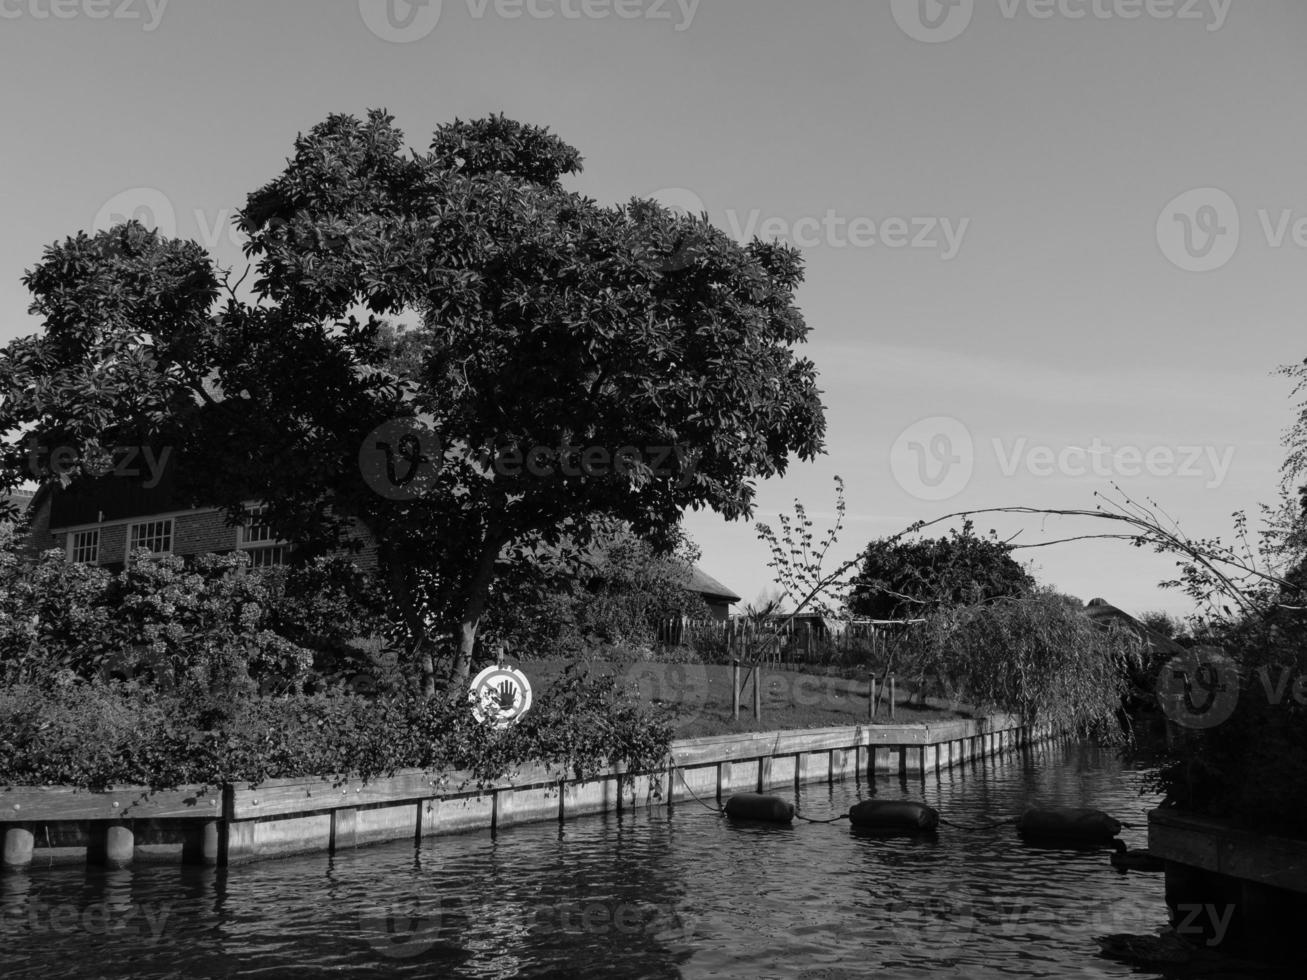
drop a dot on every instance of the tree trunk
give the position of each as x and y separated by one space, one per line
473 608
420 651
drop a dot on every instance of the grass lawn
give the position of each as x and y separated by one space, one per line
700 696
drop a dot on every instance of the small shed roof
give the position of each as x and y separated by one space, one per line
1103 612
697 580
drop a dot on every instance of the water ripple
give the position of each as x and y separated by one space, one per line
684 894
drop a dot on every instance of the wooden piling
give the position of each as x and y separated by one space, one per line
111 844
200 845
18 846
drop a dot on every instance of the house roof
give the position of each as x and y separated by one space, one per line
697 580
1103 612
19 498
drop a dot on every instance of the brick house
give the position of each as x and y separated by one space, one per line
98 521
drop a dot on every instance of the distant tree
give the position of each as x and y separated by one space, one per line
546 320
1036 655
904 579
616 593
1163 624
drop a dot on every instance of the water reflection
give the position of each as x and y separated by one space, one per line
644 895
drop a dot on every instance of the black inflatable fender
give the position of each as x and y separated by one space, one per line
1068 823
759 806
898 815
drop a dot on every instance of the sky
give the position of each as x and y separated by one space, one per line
1051 245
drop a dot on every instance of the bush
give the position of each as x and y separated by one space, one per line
1249 768
165 620
100 734
1038 657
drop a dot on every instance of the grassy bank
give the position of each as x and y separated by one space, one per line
699 696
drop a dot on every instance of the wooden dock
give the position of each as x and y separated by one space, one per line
234 823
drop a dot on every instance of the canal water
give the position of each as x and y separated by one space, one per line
652 894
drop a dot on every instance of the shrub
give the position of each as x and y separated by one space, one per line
1249 768
1038 657
104 733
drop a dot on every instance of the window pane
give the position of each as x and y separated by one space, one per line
155 535
86 547
255 531
263 557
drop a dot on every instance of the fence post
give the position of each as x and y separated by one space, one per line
757 691
871 699
891 697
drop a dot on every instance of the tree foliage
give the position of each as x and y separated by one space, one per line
212 623
544 319
616 594
1036 655
902 578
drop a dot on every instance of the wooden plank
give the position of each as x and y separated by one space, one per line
24 804
1212 845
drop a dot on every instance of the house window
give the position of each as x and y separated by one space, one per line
84 546
155 535
262 557
260 541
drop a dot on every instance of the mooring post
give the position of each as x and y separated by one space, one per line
200 845
18 846
757 691
871 700
112 844
891 697
735 689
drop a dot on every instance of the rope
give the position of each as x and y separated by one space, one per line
800 816
680 772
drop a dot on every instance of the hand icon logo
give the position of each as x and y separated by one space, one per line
507 694
500 694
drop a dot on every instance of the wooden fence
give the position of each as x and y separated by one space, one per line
804 639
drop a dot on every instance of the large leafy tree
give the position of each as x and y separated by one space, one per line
541 318
907 578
